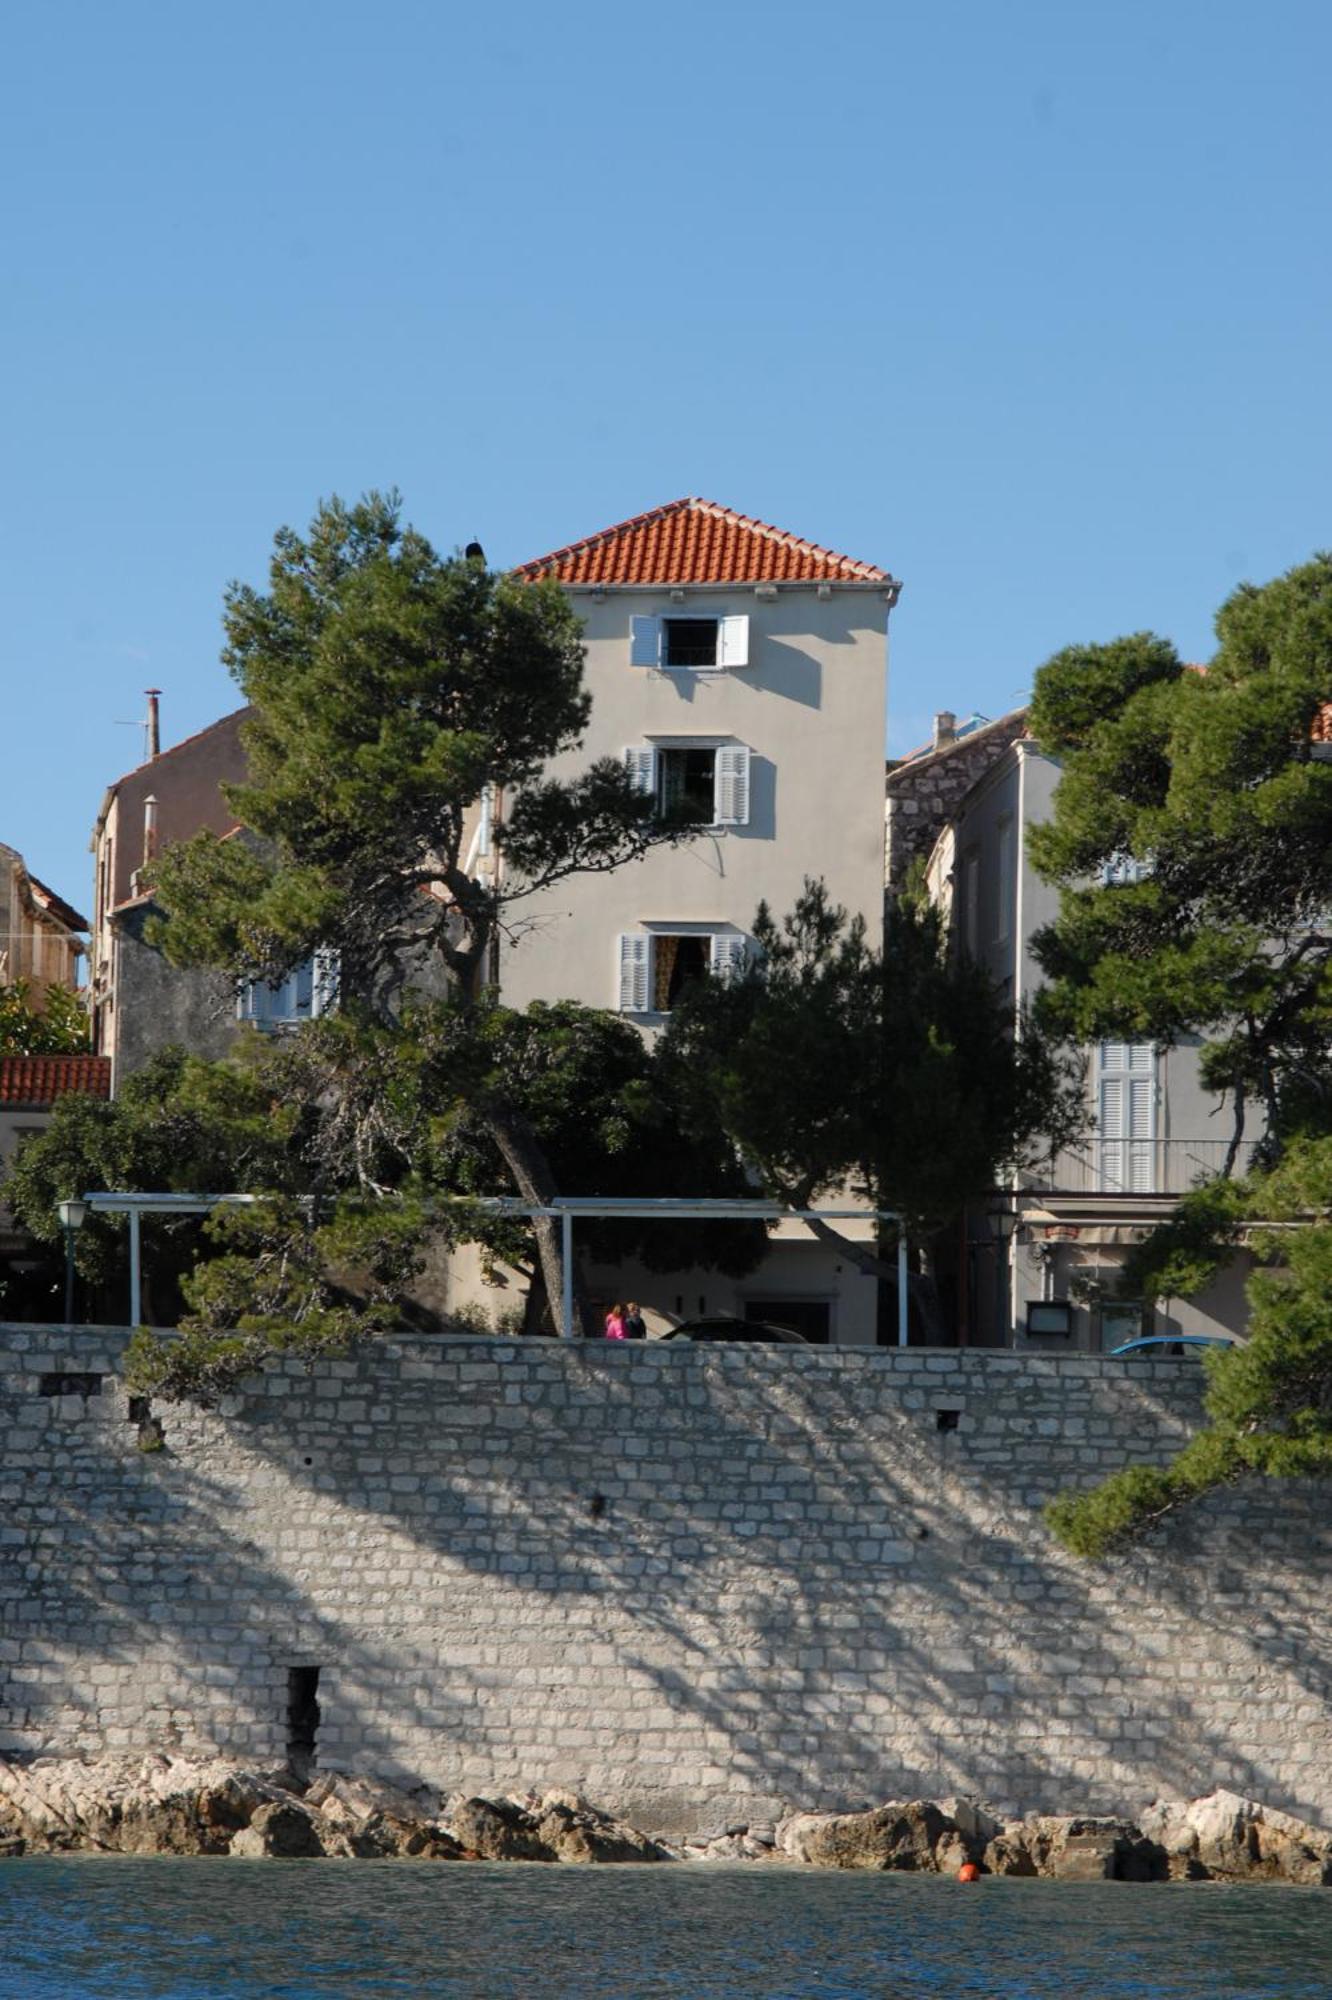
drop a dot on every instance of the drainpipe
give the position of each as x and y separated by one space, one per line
149 829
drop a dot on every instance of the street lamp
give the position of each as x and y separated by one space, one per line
73 1215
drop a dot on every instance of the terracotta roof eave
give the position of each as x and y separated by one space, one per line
695 542
884 583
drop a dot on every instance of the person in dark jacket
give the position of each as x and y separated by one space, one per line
635 1326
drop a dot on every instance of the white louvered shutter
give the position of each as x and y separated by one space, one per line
1127 1117
731 785
641 763
644 642
327 967
635 971
733 641
727 955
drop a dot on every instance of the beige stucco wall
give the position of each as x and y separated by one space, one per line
811 706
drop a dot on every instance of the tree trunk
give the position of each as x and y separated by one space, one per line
525 1160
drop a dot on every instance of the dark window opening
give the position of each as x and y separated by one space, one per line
676 963
69 1384
302 1718
687 782
689 642
947 1420
812 1317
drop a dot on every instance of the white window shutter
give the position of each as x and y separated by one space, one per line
644 642
640 760
733 646
324 991
727 955
1127 1117
731 785
635 970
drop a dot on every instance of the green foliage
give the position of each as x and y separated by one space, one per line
1211 781
390 687
831 1063
611 1115
1269 1402
55 1026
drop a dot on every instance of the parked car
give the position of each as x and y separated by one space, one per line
724 1326
1173 1343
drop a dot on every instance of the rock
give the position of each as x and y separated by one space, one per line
496 1830
1074 1849
284 1829
897 1836
583 1834
1227 1838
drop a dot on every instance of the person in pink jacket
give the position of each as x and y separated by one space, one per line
615 1324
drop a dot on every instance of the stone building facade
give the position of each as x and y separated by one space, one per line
924 790
691 1582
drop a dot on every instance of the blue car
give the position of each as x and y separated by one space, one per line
1173 1343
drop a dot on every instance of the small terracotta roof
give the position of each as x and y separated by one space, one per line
1322 724
63 912
41 1079
696 541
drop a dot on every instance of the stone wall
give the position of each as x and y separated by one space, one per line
921 796
690 1582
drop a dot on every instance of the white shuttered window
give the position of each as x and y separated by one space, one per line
731 785
635 972
695 775
1126 1116
655 966
688 642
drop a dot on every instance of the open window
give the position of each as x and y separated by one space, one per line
656 966
709 780
308 991
690 643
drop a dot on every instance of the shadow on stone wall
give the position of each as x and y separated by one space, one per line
706 1575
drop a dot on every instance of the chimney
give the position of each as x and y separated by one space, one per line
945 728
149 829
154 734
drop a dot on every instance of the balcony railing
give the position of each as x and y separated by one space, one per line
1135 1166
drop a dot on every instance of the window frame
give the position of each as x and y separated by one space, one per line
643 762
647 640
728 953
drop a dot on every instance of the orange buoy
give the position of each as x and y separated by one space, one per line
968 1872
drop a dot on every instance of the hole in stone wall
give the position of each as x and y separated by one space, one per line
947 1420
302 1719
596 1506
139 1410
69 1383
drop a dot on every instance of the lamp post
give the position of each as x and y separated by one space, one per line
73 1215
1004 1224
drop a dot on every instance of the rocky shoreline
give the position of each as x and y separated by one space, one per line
163 1805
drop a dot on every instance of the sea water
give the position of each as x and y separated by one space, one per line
114 1928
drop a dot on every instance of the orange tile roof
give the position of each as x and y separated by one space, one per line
41 1079
1322 724
696 541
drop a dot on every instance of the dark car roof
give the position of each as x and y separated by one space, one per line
720 1326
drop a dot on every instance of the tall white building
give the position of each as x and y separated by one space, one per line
745 669
1044 1255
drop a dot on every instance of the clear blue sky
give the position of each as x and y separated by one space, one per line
1030 303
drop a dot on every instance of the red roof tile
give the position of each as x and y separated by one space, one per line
1322 724
41 1079
696 541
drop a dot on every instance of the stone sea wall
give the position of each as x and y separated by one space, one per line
692 1584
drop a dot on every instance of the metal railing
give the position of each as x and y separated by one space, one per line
1135 1166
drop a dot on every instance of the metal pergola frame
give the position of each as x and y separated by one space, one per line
565 1209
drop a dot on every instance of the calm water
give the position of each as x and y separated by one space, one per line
111 1929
